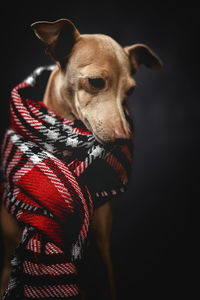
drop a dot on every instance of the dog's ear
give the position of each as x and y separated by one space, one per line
60 36
142 54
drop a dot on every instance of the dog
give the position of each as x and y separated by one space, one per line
92 78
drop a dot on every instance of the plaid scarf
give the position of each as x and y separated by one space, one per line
54 173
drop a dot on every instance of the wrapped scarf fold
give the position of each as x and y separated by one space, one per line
54 173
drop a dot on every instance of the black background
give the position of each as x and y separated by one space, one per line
153 244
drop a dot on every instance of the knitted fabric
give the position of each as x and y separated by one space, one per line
52 174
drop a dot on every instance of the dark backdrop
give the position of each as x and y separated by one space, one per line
152 241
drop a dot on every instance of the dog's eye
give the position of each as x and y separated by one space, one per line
130 91
97 83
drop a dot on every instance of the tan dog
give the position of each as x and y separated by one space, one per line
92 78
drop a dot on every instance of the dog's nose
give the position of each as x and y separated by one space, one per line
120 134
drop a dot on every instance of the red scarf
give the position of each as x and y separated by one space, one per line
50 170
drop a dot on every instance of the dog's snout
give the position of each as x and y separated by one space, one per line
120 134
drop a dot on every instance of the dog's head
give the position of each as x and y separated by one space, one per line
97 75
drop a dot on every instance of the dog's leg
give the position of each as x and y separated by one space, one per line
102 225
11 233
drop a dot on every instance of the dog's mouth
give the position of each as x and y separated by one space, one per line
107 143
97 137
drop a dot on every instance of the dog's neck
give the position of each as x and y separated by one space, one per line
53 96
